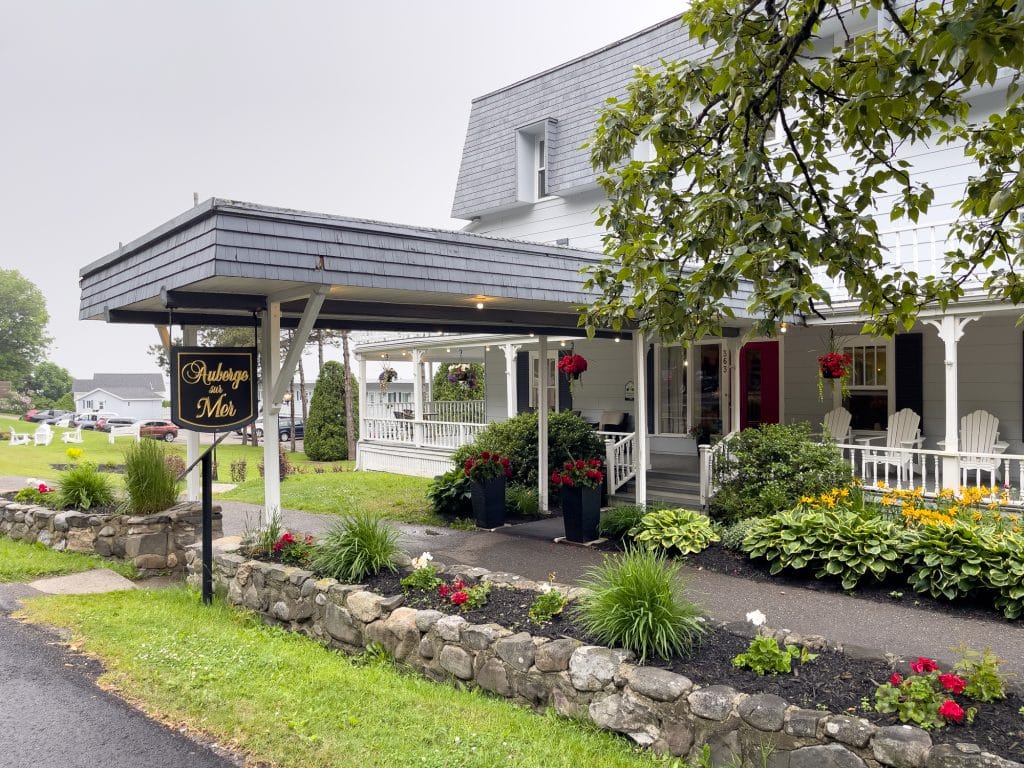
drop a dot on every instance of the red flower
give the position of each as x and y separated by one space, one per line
580 464
458 585
44 488
459 598
465 472
568 465
486 456
468 464
896 679
444 590
508 471
595 462
593 474
504 462
556 479
950 710
952 683
923 664
567 480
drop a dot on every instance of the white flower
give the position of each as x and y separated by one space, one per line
422 561
33 482
546 587
756 618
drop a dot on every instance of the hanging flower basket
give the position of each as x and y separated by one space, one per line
387 376
463 375
834 366
572 366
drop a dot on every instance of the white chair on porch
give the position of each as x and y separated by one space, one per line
979 435
836 425
902 433
43 435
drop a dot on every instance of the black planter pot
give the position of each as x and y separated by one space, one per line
488 497
829 375
581 512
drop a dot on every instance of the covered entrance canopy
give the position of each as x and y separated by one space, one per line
228 263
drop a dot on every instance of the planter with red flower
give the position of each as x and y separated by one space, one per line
487 473
834 365
572 366
580 483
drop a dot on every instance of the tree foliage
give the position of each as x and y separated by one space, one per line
443 389
326 438
50 380
775 152
23 319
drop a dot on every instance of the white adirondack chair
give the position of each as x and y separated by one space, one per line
979 431
836 425
19 438
902 433
72 435
43 435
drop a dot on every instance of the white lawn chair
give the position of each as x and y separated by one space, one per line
19 438
979 433
72 435
43 435
902 433
836 425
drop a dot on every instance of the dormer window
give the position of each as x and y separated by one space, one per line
533 147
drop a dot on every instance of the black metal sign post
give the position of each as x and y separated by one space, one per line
208 526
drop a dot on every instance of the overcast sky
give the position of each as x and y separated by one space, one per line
114 113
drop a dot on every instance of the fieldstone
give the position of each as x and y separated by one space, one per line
493 677
46 538
172 560
724 744
714 702
426 647
299 576
281 611
107 530
658 684
824 756
102 547
478 637
320 599
341 626
765 711
234 591
457 661
146 544
803 723
364 606
450 628
401 625
626 713
902 746
426 619
855 731
151 562
532 687
81 540
516 650
965 756
592 667
389 604
554 656
678 734
308 587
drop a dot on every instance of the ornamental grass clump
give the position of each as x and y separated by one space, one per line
84 487
636 602
356 547
151 484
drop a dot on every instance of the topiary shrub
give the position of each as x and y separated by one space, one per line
569 437
768 469
326 438
151 484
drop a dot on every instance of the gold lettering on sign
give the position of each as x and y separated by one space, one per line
207 407
196 372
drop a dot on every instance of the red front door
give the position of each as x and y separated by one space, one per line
759 383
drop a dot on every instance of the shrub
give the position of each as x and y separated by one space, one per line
765 654
284 466
522 500
151 485
636 602
356 547
449 494
680 529
239 469
84 487
569 437
176 463
734 533
620 520
326 437
768 469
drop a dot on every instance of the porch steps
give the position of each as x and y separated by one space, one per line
679 489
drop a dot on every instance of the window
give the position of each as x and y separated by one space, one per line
533 149
868 401
672 390
552 380
541 160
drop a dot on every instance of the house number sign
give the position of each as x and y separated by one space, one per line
213 389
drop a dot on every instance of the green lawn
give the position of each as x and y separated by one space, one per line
285 699
20 561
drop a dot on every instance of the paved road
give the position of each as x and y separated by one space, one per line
52 715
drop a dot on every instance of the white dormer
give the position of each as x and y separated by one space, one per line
533 148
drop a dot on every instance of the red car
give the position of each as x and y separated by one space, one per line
161 429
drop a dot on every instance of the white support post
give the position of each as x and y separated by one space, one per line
361 380
417 396
511 380
642 457
542 422
193 483
271 354
951 329
733 347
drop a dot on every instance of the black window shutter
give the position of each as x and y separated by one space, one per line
649 389
522 381
907 368
564 393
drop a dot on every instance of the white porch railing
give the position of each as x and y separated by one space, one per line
429 434
620 459
468 411
708 456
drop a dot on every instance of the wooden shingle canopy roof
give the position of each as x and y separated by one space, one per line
223 260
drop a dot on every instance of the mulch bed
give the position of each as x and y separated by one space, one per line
117 469
832 681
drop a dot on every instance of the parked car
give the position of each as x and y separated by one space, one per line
284 428
42 416
160 429
29 414
105 424
89 420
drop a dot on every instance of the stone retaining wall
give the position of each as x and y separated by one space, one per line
151 542
654 707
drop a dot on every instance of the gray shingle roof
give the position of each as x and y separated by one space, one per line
130 386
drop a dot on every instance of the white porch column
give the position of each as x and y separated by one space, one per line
417 396
732 347
271 354
642 453
951 329
193 483
542 422
361 381
511 380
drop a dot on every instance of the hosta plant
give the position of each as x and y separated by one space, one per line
1005 575
953 561
679 529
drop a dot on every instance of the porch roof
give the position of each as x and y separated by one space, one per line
223 260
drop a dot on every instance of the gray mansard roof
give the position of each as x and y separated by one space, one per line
571 94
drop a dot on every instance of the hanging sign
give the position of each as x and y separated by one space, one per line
213 389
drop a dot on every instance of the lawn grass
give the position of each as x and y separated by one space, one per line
285 699
21 561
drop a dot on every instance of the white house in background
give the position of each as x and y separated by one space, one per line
524 176
136 395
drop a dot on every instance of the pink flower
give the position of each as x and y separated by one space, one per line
923 664
895 679
950 710
952 683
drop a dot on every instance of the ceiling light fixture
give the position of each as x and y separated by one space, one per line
479 305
